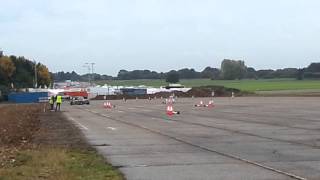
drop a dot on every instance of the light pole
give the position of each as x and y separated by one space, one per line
35 75
90 70
87 66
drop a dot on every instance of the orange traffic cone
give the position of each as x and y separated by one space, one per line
107 105
200 105
170 111
211 104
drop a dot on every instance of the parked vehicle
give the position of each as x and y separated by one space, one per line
79 100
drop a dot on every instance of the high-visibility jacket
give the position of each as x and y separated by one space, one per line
59 99
51 100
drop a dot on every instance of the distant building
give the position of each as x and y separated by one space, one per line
1 53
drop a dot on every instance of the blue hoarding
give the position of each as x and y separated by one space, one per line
27 97
133 91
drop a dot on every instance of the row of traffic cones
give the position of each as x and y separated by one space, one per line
108 105
169 111
209 105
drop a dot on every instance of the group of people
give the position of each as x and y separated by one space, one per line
55 99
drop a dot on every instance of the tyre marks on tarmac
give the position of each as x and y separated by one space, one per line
232 131
236 131
288 174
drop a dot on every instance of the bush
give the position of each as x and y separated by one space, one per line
4 92
173 77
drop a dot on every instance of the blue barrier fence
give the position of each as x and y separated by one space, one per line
27 97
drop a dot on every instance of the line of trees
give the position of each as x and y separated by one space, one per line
229 70
186 73
73 76
19 72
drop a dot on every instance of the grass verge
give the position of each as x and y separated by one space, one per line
58 163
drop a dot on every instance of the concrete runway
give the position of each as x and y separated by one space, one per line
242 138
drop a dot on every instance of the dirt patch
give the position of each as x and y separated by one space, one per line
56 130
18 123
28 127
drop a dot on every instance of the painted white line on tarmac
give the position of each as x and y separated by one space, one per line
104 115
132 108
82 126
120 111
89 110
112 128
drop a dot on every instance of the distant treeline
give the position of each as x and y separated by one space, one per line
136 74
73 76
230 70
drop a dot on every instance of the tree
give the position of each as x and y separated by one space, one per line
313 67
172 77
123 74
232 69
267 73
251 73
300 74
210 73
188 74
285 73
138 74
24 74
44 77
7 68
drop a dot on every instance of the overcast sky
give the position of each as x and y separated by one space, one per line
161 34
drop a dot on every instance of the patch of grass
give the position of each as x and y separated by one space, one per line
59 163
244 85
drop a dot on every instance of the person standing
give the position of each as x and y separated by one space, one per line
51 102
59 101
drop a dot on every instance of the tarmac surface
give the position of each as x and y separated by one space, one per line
241 138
